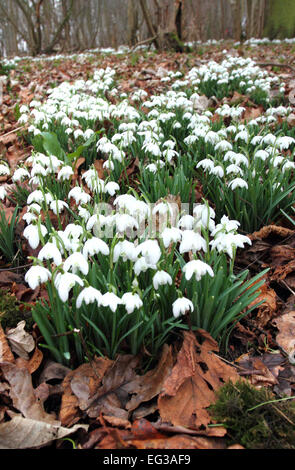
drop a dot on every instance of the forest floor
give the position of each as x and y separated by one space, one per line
111 403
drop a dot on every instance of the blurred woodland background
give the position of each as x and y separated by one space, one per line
49 26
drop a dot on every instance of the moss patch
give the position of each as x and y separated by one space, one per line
269 426
11 313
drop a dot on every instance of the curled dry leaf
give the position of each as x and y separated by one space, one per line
20 340
286 336
24 433
22 393
5 351
267 310
33 363
190 388
268 230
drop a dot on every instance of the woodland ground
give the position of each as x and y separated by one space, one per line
47 399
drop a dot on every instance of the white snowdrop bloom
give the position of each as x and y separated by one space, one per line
4 170
76 262
161 278
206 164
50 251
262 154
242 135
197 268
65 173
20 174
23 119
126 250
192 241
88 133
35 196
276 161
234 169
288 165
238 183
203 213
80 196
150 250
95 220
217 171
212 137
95 245
153 148
111 188
78 133
58 206
131 302
37 275
152 167
29 217
65 282
269 139
142 266
228 242
73 230
111 300
84 213
109 165
170 235
31 233
186 222
89 295
181 305
38 170
3 193
256 140
226 225
162 208
223 145
125 222
284 142
169 144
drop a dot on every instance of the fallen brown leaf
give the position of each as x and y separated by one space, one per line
286 336
21 342
190 388
5 351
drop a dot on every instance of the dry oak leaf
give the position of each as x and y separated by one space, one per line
286 336
22 393
267 310
112 395
5 351
190 389
33 363
150 385
25 433
21 342
268 230
78 386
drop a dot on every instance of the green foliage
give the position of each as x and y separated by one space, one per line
10 312
281 19
254 418
8 246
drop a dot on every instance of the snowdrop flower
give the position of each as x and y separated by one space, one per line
65 173
94 246
204 216
4 170
111 300
50 251
228 242
73 230
37 275
31 233
238 183
29 217
89 295
217 171
186 222
170 235
181 306
131 302
288 165
197 267
126 250
76 262
58 206
235 169
262 154
142 266
111 188
79 195
206 164
20 174
150 250
3 193
35 196
192 241
65 282
226 225
84 213
161 278
125 222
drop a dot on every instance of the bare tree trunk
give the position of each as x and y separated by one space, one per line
237 19
149 23
132 22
